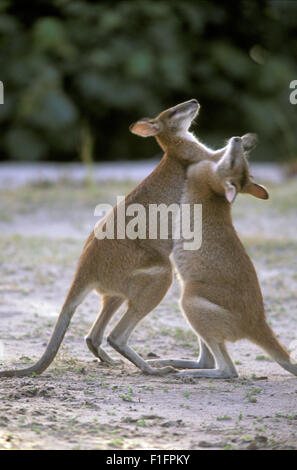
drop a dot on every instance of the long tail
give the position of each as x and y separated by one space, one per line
72 301
267 340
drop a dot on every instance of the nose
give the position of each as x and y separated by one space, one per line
236 141
236 144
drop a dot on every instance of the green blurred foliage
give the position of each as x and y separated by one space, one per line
66 64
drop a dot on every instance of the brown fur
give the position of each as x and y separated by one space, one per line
136 271
221 295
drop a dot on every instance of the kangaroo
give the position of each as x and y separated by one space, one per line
137 271
221 296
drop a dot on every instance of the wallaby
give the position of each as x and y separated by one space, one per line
137 271
221 296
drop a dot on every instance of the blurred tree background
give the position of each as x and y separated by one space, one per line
77 73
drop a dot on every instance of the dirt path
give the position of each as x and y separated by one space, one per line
79 404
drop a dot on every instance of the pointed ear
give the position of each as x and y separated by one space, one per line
230 191
145 128
257 190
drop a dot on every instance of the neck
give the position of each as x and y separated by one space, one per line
168 141
187 135
184 145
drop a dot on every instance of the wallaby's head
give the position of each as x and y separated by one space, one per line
233 174
171 122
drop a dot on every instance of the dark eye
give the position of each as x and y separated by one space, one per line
172 113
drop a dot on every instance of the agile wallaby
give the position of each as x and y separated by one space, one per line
137 271
221 296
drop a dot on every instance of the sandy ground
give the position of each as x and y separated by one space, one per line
79 403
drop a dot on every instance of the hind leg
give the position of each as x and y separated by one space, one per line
214 325
110 305
205 360
225 368
147 294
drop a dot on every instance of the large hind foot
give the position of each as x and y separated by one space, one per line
161 371
205 360
178 363
132 356
208 374
225 368
249 141
101 354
